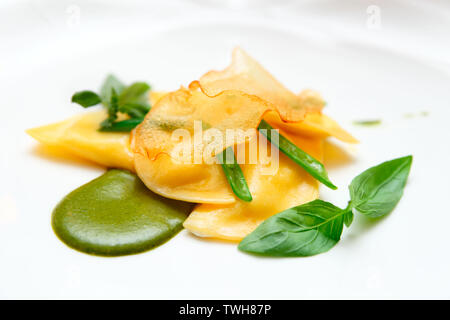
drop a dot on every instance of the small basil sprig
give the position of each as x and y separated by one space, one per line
86 98
315 227
311 165
117 97
234 174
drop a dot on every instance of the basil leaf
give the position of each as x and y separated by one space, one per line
133 92
134 100
311 165
135 110
113 105
376 191
111 82
121 126
348 218
234 174
86 98
113 108
301 231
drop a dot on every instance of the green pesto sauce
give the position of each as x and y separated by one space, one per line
116 215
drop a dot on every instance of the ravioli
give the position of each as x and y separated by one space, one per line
290 186
79 136
315 125
199 183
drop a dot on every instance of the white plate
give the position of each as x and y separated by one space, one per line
404 255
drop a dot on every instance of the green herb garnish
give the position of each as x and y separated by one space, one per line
113 109
111 82
316 227
86 98
234 174
116 97
311 165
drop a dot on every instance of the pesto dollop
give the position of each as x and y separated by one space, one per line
116 215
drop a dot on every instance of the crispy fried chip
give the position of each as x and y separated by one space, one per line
315 124
289 187
154 144
182 108
155 96
79 136
247 75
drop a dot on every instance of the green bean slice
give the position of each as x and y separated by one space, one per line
234 174
307 162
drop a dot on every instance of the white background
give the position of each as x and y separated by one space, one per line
384 69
